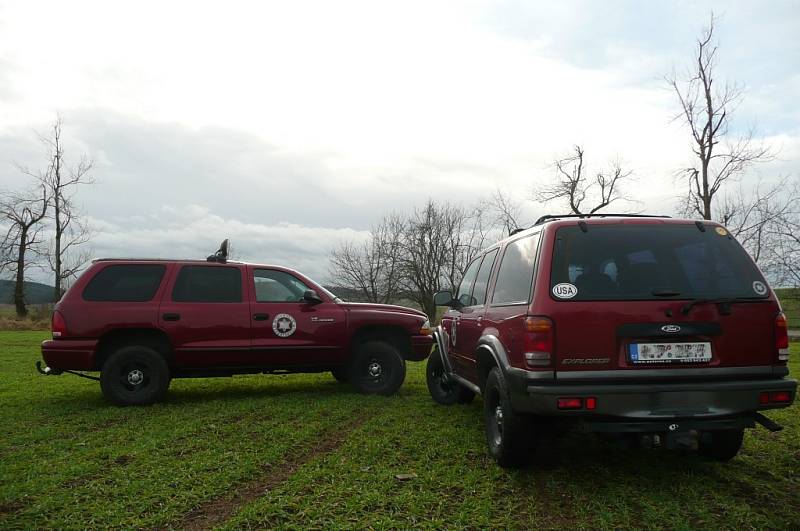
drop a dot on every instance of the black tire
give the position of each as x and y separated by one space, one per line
444 392
341 374
506 431
135 375
377 369
722 445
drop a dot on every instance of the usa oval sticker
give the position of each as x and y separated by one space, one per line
565 290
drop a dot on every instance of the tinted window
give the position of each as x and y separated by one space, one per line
623 262
208 284
277 286
482 280
125 283
516 271
464 290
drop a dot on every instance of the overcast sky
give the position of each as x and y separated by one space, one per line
290 126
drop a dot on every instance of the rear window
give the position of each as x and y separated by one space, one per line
125 283
208 284
647 262
513 285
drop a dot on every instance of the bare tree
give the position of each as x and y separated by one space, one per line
505 212
65 257
439 241
22 216
706 108
575 187
373 268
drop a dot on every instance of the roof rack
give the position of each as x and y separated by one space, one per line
601 215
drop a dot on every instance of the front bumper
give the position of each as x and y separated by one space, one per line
420 347
649 402
69 354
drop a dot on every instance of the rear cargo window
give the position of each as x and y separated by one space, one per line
646 262
125 283
514 278
208 284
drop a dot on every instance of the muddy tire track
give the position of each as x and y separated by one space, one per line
218 510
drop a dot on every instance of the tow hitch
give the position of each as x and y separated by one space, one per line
47 371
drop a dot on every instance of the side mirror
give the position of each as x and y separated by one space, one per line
443 298
311 297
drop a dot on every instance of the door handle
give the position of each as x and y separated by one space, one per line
260 316
171 317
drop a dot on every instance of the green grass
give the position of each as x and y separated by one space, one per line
790 302
69 460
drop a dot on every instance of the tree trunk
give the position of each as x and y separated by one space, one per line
19 287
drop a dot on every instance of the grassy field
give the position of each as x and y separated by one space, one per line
302 451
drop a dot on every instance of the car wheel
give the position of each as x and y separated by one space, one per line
341 375
506 430
443 391
722 445
134 376
377 368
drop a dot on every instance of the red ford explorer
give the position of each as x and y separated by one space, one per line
142 322
660 330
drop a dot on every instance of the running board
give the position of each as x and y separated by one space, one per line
466 383
770 424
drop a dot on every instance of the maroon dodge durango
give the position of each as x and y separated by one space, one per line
143 322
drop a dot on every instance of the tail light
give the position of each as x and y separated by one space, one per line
58 325
537 342
782 337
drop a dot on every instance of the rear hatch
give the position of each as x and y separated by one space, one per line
666 298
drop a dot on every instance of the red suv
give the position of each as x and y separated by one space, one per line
660 330
142 322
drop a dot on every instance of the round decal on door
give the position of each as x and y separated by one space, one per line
284 325
565 290
759 287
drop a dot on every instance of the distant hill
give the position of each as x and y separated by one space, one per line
35 293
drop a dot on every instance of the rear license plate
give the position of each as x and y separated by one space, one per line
669 352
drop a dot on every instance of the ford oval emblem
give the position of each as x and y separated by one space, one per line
671 328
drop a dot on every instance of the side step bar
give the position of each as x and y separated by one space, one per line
448 369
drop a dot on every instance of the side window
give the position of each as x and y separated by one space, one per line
516 272
208 284
125 283
465 288
277 286
482 280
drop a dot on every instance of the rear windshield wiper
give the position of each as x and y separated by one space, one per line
692 303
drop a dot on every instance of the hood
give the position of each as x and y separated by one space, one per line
383 307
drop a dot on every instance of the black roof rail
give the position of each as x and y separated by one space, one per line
600 215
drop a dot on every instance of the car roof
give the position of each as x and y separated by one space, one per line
193 261
555 222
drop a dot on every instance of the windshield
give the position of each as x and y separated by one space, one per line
647 262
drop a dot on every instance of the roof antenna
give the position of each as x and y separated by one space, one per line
221 256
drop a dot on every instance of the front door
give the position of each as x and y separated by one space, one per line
289 331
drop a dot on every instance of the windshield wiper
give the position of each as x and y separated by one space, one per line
691 304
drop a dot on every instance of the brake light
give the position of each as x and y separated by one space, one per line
782 337
58 325
537 342
780 397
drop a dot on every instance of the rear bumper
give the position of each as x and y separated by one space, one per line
420 347
69 354
651 401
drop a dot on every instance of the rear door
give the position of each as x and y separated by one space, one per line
207 315
286 329
662 298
